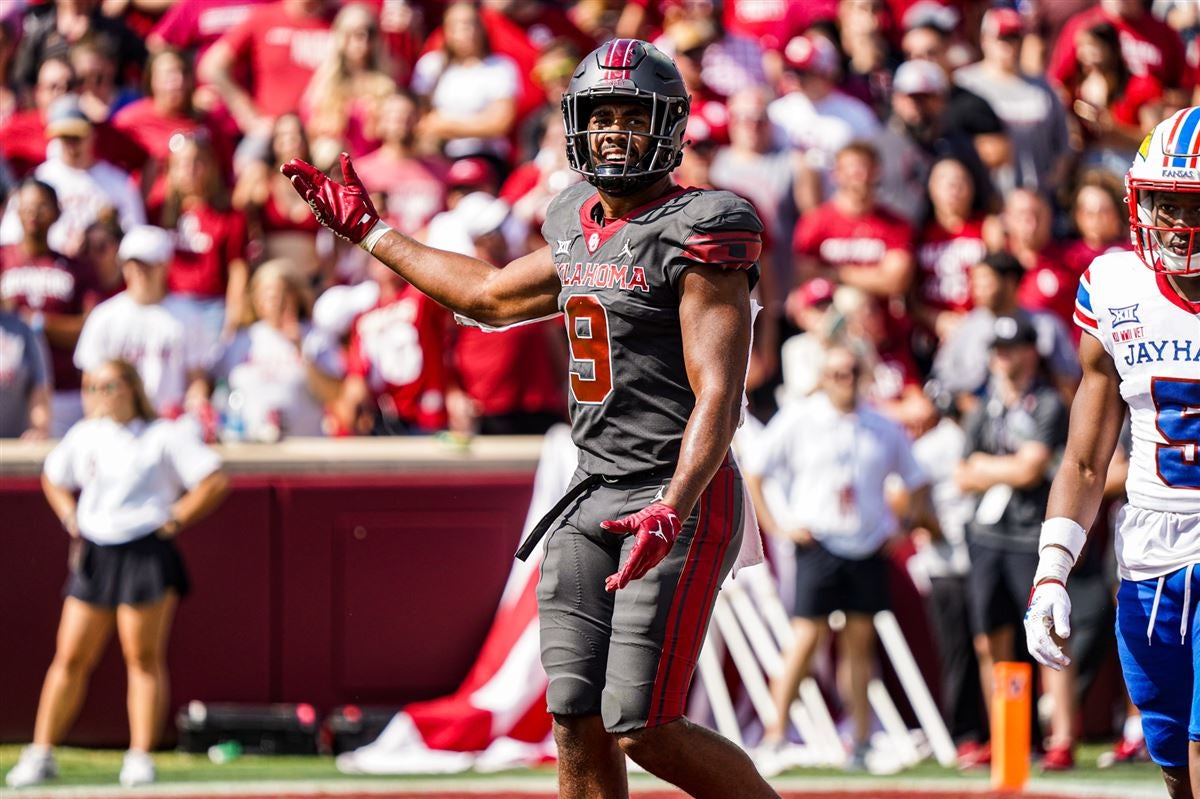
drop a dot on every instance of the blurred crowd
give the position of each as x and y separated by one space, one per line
887 144
934 177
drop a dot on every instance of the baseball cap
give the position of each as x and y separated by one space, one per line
1001 22
814 54
919 77
933 13
65 117
1010 330
470 172
146 243
1002 263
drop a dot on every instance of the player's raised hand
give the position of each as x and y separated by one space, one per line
347 209
655 528
1049 608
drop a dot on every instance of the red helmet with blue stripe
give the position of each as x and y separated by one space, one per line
1166 229
627 70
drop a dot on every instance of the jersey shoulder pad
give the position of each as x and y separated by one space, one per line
563 210
712 210
723 230
1109 277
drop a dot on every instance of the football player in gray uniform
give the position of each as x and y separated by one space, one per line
653 280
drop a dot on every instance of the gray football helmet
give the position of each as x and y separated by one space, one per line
627 70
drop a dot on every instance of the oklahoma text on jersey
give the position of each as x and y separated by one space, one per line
603 276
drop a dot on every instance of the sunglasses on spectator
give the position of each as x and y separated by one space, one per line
107 388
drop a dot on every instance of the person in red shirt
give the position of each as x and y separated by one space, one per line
283 43
209 263
1148 46
53 293
101 241
512 379
23 137
396 366
281 224
851 238
151 121
1025 231
773 25
197 25
893 379
951 242
1114 106
415 184
1097 211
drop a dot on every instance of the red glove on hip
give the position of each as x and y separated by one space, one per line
656 527
346 210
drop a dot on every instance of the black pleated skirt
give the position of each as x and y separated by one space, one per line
135 573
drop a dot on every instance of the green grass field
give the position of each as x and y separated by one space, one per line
99 767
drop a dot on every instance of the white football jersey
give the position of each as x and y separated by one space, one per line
1153 337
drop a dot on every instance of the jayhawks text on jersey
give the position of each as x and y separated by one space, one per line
1153 337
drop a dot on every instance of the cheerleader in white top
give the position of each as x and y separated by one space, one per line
140 481
1141 311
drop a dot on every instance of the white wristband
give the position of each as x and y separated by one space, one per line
372 238
1063 532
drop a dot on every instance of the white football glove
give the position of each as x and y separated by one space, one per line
1049 608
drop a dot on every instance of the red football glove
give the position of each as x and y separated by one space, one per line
346 210
656 527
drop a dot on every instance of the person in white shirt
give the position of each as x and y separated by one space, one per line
140 481
154 332
471 90
813 115
85 184
283 371
819 480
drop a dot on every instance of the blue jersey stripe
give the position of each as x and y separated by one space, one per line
1184 143
1084 298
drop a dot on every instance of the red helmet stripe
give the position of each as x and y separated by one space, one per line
1168 144
619 54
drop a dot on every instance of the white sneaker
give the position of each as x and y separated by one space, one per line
136 769
34 766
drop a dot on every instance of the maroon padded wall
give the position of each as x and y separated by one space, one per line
317 589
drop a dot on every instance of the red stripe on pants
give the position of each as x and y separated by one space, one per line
687 620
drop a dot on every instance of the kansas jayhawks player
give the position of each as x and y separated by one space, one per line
1141 311
653 280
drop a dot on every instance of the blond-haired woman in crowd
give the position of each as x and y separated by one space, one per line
341 104
279 367
141 481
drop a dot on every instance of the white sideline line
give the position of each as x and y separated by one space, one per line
546 785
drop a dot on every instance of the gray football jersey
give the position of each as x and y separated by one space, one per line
629 393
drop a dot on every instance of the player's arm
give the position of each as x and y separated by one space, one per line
1096 418
714 316
525 289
